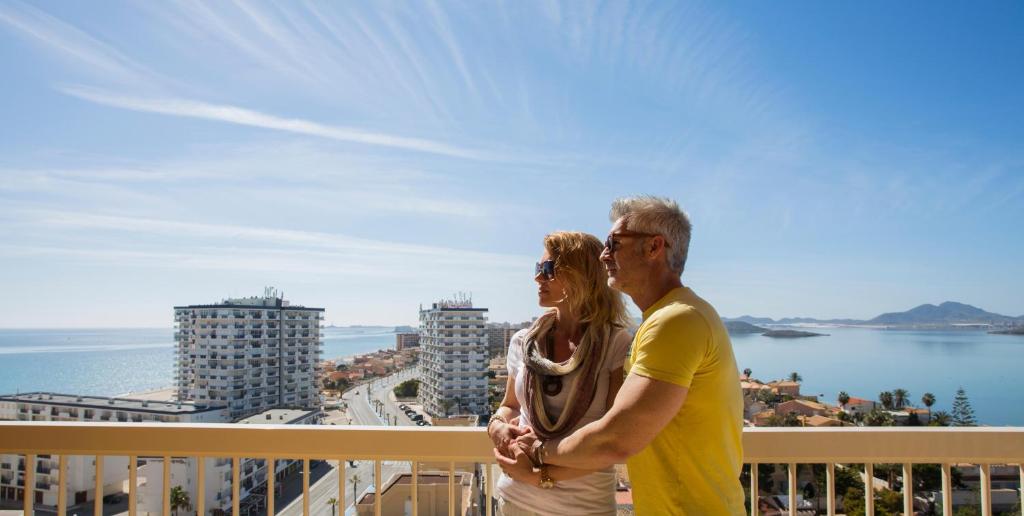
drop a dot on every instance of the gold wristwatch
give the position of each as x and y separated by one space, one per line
546 482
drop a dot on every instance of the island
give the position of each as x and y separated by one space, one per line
1016 330
791 334
743 328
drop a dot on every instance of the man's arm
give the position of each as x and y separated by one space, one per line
642 409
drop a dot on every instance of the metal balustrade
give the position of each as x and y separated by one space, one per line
451 446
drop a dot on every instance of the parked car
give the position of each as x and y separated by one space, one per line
421 423
113 498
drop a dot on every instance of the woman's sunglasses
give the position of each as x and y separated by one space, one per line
547 268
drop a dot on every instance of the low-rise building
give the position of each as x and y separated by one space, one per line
81 473
801 407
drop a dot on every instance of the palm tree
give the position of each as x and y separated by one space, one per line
179 499
333 502
844 398
795 377
928 399
747 372
900 398
886 398
940 418
354 481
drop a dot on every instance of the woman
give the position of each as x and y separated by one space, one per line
564 372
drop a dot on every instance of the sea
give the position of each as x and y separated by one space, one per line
112 362
861 361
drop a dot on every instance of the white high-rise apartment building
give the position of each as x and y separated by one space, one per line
453 355
249 354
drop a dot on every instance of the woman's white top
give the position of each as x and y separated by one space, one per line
590 494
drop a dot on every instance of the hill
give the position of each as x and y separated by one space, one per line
946 314
949 312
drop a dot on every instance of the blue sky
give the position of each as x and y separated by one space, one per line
836 160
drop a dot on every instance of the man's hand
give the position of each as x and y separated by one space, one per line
504 434
518 467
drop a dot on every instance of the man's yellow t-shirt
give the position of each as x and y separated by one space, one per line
693 466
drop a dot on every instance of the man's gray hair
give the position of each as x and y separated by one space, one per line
657 215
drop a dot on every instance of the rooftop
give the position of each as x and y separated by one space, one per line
277 417
107 403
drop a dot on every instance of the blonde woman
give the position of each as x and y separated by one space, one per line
564 372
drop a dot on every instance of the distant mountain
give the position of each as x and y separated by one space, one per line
946 314
749 319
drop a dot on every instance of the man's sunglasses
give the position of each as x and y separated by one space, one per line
547 268
611 245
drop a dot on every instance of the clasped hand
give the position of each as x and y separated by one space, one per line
513 449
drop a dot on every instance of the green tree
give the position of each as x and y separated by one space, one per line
407 389
333 502
886 399
963 414
180 499
900 398
940 418
853 501
844 398
878 418
795 377
747 372
928 399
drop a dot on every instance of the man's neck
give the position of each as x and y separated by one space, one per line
655 289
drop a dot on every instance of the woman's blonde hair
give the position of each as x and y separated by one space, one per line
578 264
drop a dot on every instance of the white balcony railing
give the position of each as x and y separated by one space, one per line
791 446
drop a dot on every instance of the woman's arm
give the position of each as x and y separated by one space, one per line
615 379
503 433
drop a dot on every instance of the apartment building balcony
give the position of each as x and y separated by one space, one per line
788 447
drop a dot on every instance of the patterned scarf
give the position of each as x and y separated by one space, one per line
588 357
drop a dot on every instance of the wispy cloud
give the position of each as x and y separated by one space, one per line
251 118
88 53
299 238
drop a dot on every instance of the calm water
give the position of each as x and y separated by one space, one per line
110 362
865 362
862 362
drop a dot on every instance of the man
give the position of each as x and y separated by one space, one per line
678 418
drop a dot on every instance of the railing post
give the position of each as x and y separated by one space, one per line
236 488
986 489
415 488
133 479
947 490
166 488
62 486
830 487
451 489
488 487
869 489
341 486
97 504
29 489
271 480
201 486
378 488
305 487
908 488
755 491
792 489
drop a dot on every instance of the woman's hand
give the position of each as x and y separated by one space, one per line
503 434
518 467
526 443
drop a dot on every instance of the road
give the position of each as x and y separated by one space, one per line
361 412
